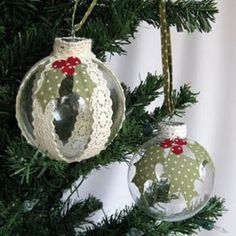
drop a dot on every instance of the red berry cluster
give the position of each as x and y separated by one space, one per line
176 145
67 66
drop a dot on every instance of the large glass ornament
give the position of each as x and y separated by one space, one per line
70 105
171 177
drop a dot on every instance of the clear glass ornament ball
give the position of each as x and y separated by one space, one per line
70 105
171 178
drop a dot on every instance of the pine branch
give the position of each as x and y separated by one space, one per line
18 54
191 15
27 163
181 100
186 15
6 115
123 16
75 217
31 217
9 218
142 96
132 221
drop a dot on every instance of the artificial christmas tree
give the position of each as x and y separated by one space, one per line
32 185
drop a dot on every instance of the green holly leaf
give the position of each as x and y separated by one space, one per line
180 170
50 86
83 84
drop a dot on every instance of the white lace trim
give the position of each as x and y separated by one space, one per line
79 47
80 135
172 130
102 112
91 131
92 127
44 129
123 97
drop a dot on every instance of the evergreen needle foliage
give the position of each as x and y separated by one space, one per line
132 222
32 185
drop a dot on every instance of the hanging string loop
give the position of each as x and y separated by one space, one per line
166 58
77 27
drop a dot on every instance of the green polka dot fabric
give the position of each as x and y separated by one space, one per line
180 170
83 84
49 89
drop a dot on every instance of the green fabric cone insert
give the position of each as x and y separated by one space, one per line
180 170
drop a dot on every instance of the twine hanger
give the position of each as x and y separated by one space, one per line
77 27
165 48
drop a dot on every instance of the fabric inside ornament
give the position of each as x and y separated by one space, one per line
77 105
164 175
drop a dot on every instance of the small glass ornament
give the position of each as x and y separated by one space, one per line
171 177
70 105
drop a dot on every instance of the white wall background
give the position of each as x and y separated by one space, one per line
208 61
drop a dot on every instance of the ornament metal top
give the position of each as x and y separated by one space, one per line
171 177
70 105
